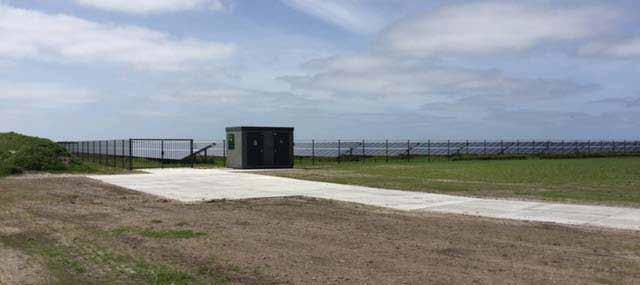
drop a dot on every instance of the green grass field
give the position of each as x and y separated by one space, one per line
594 180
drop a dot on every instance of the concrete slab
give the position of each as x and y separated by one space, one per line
195 185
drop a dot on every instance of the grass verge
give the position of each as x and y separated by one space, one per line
590 180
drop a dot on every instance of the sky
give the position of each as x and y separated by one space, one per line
349 69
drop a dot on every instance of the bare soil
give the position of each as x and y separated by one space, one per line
82 231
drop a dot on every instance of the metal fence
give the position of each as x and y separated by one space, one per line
146 153
149 153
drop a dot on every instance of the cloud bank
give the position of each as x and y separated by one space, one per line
154 6
27 34
349 15
494 27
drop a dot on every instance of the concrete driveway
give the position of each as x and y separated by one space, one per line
194 185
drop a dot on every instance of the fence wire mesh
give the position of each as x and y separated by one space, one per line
150 153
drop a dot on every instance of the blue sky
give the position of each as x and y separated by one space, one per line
84 69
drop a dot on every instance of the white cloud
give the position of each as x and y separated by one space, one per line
494 27
626 102
44 95
35 35
348 15
563 119
155 6
401 79
628 48
219 95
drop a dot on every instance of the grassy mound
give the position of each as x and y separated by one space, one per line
19 153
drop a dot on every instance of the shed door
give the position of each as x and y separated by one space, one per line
255 149
281 155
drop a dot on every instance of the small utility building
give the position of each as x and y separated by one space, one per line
259 147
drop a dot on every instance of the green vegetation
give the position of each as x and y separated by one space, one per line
172 234
56 256
150 233
199 162
111 235
70 263
593 180
19 153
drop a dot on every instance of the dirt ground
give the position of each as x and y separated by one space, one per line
75 230
18 268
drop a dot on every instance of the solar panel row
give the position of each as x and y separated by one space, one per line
180 149
440 148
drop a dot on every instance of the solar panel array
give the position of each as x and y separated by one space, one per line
447 148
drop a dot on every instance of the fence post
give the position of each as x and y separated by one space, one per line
193 157
363 151
115 154
533 146
614 146
106 162
161 153
467 147
313 152
501 147
548 146
386 150
339 151
122 152
601 148
429 150
224 151
130 154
